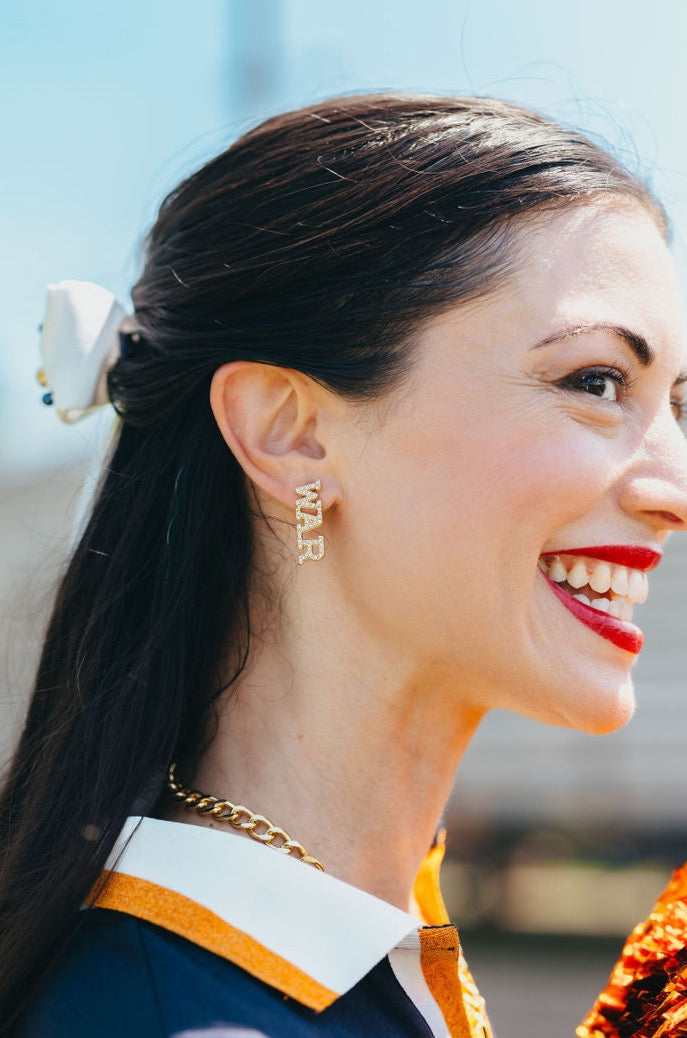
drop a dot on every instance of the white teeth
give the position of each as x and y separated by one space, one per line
628 585
620 582
619 608
603 605
558 573
579 574
615 608
639 586
600 580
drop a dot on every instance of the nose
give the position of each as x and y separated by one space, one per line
655 488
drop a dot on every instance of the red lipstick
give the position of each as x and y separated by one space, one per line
623 634
631 555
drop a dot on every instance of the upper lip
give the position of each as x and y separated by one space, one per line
634 556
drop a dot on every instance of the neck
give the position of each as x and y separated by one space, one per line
352 760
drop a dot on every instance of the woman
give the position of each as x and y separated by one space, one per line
398 404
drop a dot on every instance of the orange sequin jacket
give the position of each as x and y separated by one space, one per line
646 995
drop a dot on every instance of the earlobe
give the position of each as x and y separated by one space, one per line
268 417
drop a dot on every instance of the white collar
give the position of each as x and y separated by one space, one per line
272 899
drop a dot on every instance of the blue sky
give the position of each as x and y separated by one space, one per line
105 106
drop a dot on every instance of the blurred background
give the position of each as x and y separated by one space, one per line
558 842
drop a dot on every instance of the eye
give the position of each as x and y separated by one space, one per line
605 383
679 409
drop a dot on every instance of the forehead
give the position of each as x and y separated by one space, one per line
590 264
599 262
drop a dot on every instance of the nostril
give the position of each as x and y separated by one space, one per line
671 518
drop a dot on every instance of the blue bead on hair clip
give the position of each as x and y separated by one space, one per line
47 398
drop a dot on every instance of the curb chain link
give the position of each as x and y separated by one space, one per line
257 826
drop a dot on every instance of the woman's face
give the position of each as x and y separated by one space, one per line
535 442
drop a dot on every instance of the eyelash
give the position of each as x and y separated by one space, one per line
580 380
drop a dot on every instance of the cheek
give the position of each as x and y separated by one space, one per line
454 512
494 482
567 476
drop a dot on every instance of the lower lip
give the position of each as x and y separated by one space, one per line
625 635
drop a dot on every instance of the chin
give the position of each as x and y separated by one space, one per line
605 712
593 705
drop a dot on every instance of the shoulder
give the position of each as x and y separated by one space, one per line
125 978
100 986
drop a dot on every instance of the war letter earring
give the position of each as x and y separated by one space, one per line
309 517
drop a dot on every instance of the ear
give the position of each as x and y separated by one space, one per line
272 419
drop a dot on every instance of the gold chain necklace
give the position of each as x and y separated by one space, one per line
262 830
257 826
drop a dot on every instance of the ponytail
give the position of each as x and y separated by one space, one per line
128 668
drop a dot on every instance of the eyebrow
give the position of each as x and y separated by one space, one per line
637 343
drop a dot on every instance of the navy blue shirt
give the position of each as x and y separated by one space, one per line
203 932
126 978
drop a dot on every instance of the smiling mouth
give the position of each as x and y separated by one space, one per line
600 587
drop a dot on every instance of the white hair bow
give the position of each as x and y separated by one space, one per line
79 343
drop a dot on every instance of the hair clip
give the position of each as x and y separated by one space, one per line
79 343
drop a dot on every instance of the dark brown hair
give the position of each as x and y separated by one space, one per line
319 241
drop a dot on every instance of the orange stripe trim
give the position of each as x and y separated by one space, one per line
427 890
182 916
439 962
